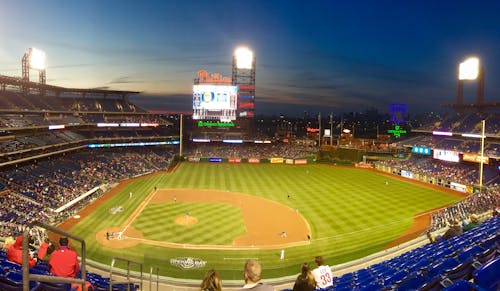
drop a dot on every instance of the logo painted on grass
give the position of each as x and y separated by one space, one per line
188 263
116 209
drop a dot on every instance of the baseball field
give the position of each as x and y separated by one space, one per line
210 215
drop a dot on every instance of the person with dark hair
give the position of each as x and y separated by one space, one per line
15 253
454 230
211 281
322 274
42 250
305 281
252 272
64 261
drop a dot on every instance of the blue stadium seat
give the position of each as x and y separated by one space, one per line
439 268
487 276
433 284
485 256
468 253
411 283
463 285
373 286
460 272
44 286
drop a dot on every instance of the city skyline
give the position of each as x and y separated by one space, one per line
323 56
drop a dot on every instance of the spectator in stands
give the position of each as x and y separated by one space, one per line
322 274
211 281
454 230
64 262
305 281
474 222
42 250
252 273
15 253
7 243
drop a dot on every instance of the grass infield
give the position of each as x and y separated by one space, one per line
351 212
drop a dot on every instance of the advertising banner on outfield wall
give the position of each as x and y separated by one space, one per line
276 160
253 160
234 160
289 161
406 174
301 162
215 160
475 158
458 187
364 166
193 159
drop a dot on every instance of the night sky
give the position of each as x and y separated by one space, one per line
319 56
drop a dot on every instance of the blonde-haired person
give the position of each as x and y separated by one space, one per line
252 273
211 281
305 281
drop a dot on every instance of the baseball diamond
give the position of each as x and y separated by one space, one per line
241 211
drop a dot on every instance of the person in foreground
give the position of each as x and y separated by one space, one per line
305 281
252 272
211 281
322 274
64 262
15 253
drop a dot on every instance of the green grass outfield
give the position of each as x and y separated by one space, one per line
351 212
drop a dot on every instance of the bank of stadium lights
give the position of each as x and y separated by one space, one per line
244 58
469 69
37 59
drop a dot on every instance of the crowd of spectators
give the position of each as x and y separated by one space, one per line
274 150
464 123
474 204
454 172
33 191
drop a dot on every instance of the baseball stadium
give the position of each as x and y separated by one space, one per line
153 201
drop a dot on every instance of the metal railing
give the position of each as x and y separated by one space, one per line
151 278
129 279
27 277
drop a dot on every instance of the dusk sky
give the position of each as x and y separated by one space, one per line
328 56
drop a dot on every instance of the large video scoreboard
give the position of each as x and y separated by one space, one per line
215 102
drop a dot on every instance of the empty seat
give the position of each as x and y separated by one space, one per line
487 276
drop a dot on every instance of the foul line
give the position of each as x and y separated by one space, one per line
138 211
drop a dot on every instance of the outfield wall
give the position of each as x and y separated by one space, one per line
469 189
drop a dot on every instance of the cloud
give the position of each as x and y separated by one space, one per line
124 80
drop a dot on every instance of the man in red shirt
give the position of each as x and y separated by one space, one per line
15 253
64 262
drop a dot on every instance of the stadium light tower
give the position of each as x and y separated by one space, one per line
244 77
470 70
34 59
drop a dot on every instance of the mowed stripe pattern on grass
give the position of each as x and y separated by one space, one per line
351 212
218 223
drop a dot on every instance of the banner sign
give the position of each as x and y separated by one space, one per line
301 162
215 160
364 166
475 158
458 187
253 160
276 160
234 160
193 159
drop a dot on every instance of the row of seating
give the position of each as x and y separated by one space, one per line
435 266
11 278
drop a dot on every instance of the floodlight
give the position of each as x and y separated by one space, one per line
244 58
37 59
469 69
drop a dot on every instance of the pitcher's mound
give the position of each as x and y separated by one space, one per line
186 220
